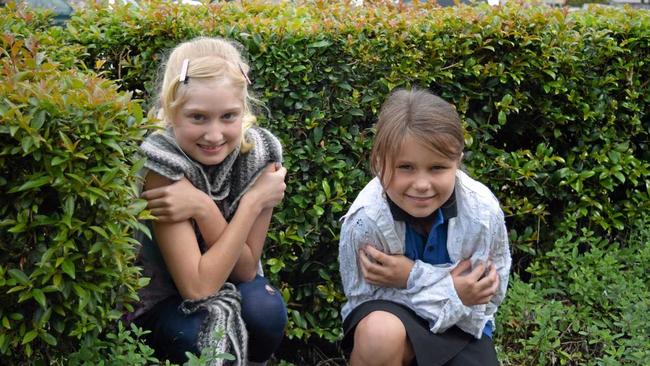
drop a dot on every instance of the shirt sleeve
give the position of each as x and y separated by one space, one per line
500 252
433 296
474 322
357 230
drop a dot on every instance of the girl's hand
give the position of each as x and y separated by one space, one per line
381 269
477 286
176 202
268 189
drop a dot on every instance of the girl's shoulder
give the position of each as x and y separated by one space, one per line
475 195
370 198
260 134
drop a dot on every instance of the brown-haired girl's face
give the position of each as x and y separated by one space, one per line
422 179
208 125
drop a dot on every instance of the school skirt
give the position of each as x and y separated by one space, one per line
450 348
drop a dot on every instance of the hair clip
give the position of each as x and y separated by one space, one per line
183 78
245 76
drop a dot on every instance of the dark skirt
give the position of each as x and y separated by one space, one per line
452 347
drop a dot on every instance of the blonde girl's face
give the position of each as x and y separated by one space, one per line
208 125
422 180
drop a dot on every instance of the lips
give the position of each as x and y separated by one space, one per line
424 198
211 148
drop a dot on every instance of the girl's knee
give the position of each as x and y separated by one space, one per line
263 309
379 336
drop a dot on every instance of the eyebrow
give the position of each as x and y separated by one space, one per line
432 163
191 109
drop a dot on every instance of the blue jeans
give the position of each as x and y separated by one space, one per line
173 333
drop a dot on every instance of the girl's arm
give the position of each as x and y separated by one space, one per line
246 267
182 201
500 256
197 275
428 290
212 224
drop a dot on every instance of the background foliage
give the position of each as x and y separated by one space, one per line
556 107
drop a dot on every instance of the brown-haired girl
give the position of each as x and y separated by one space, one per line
423 254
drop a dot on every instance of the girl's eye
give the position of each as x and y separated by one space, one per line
404 167
197 117
229 116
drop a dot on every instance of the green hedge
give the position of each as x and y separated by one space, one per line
556 107
68 193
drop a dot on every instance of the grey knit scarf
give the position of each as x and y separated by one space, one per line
225 183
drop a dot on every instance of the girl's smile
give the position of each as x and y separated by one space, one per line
210 149
420 200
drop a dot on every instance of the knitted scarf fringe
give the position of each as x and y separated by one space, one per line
224 314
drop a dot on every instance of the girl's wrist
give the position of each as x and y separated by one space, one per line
250 202
202 210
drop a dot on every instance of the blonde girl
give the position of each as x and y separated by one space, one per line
212 179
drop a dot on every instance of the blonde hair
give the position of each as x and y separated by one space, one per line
420 114
208 58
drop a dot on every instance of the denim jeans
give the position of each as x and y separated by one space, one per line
173 333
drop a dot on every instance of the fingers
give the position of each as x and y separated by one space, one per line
273 167
477 272
153 193
282 170
461 268
487 286
371 272
375 254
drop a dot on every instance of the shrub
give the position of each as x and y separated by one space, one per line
68 187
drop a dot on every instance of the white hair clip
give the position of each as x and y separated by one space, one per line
183 78
245 76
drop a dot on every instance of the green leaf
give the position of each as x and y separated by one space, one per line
39 296
49 339
587 174
19 276
115 146
502 117
57 160
620 176
31 184
326 188
100 231
356 112
38 120
68 267
29 336
320 44
98 192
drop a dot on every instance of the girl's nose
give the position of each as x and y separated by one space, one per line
213 133
422 184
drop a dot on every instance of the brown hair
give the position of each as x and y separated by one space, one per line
420 114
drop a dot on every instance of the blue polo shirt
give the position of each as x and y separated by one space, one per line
431 248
